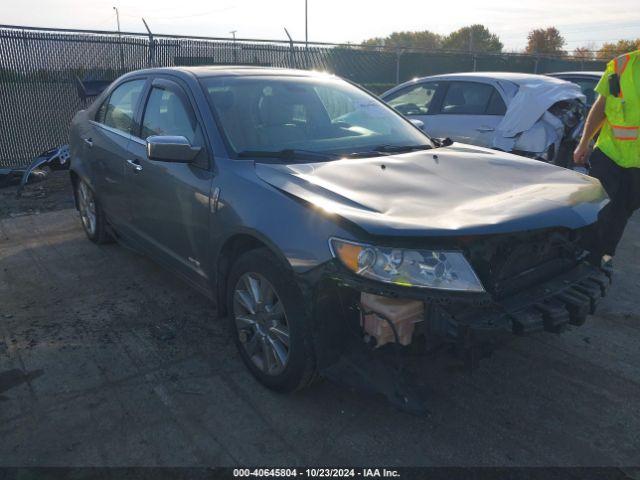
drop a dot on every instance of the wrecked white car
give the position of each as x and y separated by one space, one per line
530 115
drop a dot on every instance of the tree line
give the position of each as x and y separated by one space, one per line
479 39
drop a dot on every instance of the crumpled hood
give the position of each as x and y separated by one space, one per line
456 190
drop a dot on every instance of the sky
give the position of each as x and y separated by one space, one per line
581 22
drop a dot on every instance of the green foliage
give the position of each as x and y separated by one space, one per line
474 38
421 40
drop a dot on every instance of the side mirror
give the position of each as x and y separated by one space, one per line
167 148
417 123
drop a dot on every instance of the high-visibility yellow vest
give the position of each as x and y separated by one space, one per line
619 138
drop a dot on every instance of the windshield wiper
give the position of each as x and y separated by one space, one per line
385 150
286 154
401 148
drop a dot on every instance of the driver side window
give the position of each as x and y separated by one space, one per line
167 114
414 100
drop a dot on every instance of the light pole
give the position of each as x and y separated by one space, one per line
306 33
306 23
119 40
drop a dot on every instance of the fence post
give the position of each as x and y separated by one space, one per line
292 57
152 45
398 55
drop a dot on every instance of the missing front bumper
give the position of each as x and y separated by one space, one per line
471 327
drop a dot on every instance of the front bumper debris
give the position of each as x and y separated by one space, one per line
566 299
56 158
470 327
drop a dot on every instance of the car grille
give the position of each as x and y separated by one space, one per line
508 264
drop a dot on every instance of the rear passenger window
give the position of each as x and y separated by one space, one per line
467 98
496 105
120 108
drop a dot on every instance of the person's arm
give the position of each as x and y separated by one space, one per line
594 122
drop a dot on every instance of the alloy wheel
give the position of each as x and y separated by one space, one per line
261 323
87 207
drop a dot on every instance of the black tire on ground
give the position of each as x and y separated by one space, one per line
100 234
300 369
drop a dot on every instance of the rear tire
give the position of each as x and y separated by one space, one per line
269 321
91 214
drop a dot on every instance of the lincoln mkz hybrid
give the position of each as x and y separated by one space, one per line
333 233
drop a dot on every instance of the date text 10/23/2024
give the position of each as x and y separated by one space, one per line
316 472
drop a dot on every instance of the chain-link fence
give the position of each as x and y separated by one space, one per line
39 69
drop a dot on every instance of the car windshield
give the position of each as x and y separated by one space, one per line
322 117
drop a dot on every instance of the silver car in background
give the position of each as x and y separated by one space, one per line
531 115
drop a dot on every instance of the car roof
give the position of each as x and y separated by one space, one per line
514 77
577 74
508 82
233 70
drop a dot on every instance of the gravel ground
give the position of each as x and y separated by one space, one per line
108 360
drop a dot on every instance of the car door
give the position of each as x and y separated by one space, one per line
169 201
415 102
469 112
106 142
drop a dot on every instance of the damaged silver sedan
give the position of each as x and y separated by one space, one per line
531 115
336 237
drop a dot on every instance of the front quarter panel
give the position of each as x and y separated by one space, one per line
294 230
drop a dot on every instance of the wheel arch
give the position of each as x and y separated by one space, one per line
232 248
79 173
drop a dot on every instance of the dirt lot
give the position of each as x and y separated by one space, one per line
54 193
106 359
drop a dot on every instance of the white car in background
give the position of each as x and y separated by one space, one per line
531 115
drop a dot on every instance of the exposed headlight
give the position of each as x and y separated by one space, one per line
443 270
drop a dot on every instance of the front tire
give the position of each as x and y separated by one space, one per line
91 214
269 321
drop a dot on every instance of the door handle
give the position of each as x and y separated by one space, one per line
485 129
135 164
88 141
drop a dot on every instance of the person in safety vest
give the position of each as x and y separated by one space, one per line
615 160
